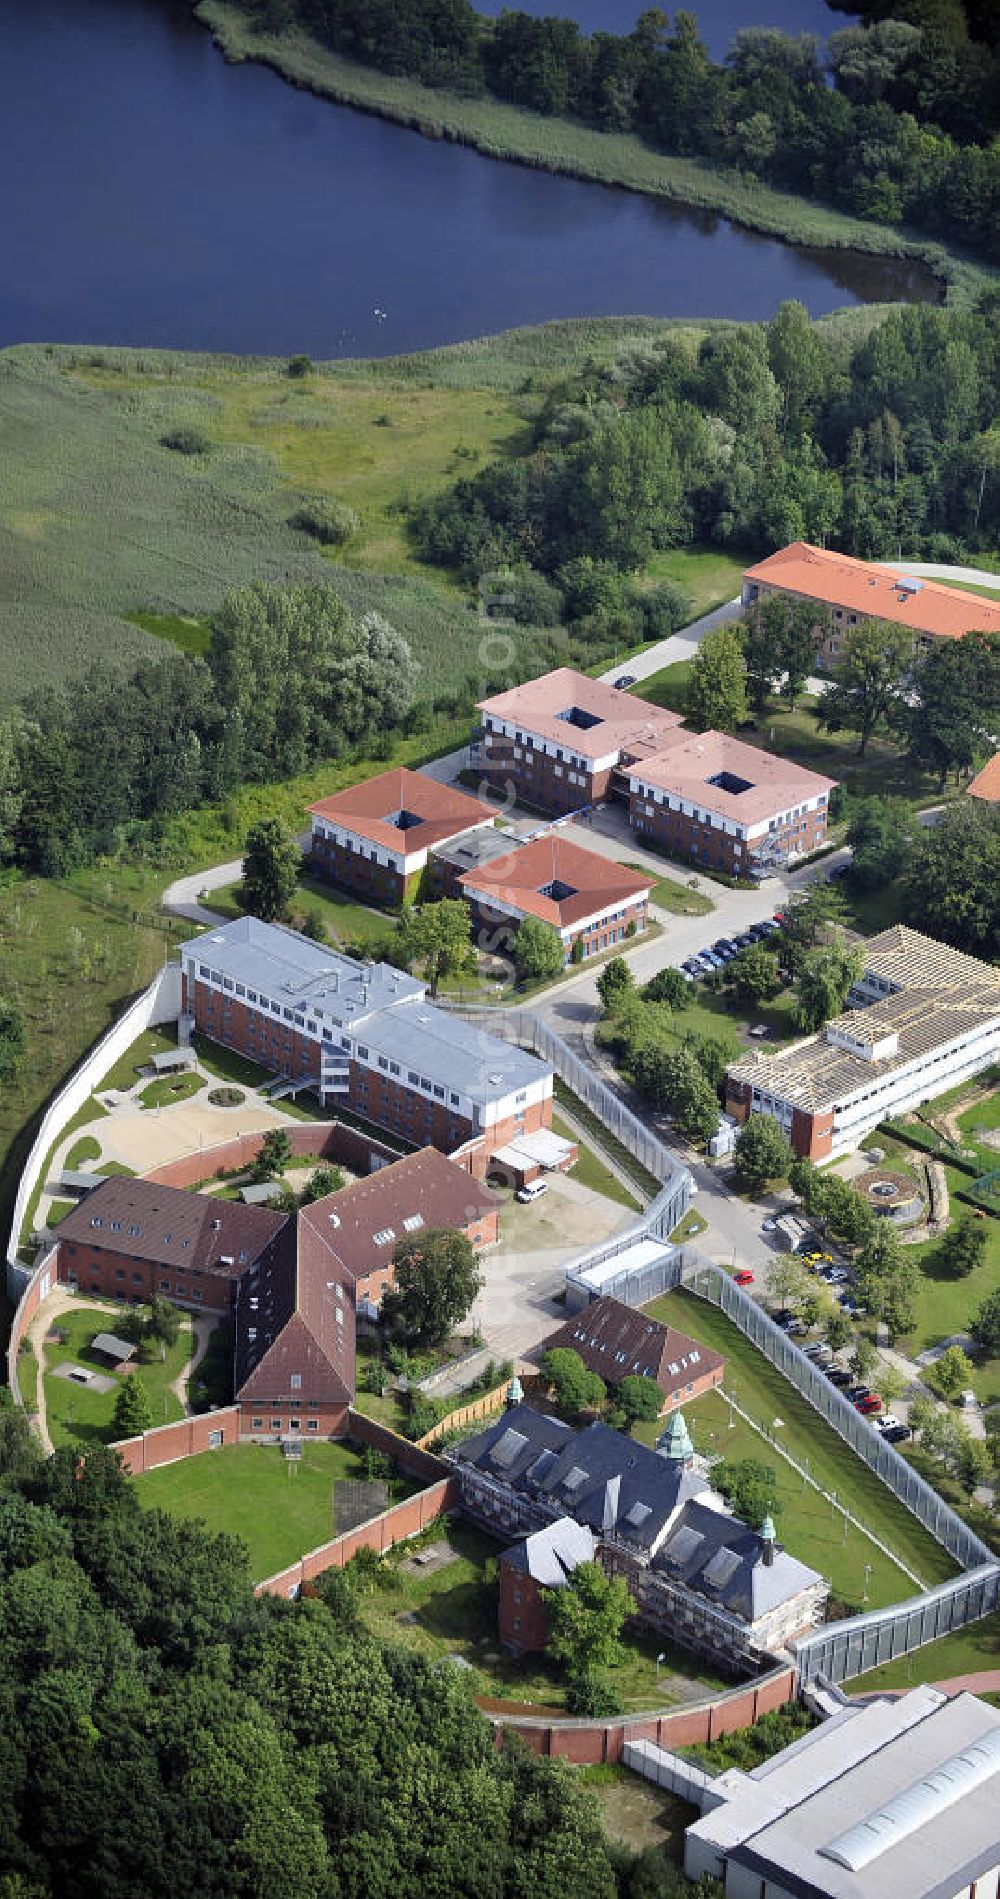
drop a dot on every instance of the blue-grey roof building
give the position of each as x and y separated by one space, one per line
363 1035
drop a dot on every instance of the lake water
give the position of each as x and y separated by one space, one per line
155 195
718 20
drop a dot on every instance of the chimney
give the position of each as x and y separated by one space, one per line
767 1539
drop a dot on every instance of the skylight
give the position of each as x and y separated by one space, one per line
575 715
403 820
557 890
728 781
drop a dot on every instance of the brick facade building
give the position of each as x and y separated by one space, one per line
728 805
845 591
922 1019
589 900
376 837
617 1341
559 742
363 1036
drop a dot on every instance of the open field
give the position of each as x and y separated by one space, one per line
345 917
558 145
452 1611
765 1394
708 574
636 1812
77 1415
967 1652
279 1509
669 894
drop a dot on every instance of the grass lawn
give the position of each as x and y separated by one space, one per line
79 1416
86 1149
603 1139
717 1013
167 1090
279 1509
345 917
945 1305
668 687
453 1612
591 1171
58 1210
765 1394
27 1377
668 894
126 1070
90 1110
968 1652
691 1225
226 1065
710 577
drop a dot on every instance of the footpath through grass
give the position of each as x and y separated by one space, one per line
762 1391
279 1508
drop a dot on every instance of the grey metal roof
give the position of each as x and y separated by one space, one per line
110 1346
552 1553
471 849
901 1820
380 1006
79 1179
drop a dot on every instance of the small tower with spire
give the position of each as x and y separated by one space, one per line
768 1539
675 1444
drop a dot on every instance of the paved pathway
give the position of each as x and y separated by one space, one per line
60 1300
682 645
202 1327
934 570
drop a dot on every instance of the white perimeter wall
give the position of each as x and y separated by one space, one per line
161 1002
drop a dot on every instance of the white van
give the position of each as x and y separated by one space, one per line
533 1191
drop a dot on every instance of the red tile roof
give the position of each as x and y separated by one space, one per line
879 592
986 783
518 881
367 809
420 1191
618 1342
621 723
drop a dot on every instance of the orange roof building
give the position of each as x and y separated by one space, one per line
986 783
375 836
849 591
578 892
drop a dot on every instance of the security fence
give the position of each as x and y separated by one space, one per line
529 1031
849 1648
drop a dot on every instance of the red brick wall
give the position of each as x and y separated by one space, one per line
589 1743
331 1140
524 1622
812 1134
187 1438
394 1526
533 775
418 1463
322 1420
379 884
675 832
115 1276
685 1393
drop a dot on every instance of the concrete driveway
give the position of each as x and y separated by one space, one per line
516 1307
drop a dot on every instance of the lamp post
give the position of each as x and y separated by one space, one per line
868 1574
660 1659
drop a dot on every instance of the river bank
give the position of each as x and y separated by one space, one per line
557 145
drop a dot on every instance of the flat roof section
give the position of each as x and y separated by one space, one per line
611 721
876 591
403 810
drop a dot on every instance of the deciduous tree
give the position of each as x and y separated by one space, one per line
867 694
133 1411
271 865
538 950
717 690
437 1278
574 1387
438 936
749 1487
824 979
586 1618
762 1151
640 1398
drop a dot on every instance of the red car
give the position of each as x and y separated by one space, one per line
744 1277
870 1404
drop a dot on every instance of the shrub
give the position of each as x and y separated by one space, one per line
186 441
332 523
592 1695
299 365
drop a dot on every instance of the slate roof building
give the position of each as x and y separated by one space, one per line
922 1018
887 1800
376 837
544 1560
697 1573
846 591
617 1342
363 1034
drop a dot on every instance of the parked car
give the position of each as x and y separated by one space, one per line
817 1350
760 1032
710 957
897 1434
797 1329
835 1275
870 1404
838 1377
744 1276
769 1226
744 941
887 1422
851 1307
624 681
819 1259
724 946
533 1191
692 965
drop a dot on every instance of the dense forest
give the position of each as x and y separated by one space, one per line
167 1734
758 436
895 123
